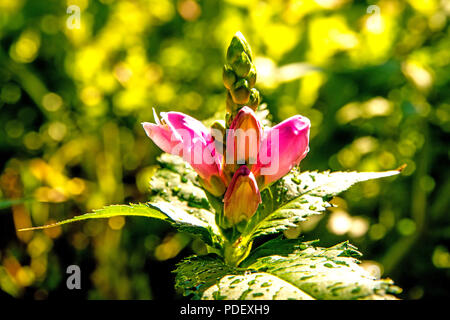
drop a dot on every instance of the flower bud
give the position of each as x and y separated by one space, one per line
251 77
237 46
242 197
229 78
254 99
230 104
218 132
219 127
240 92
243 138
242 65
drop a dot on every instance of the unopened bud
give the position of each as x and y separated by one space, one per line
219 130
231 105
229 77
241 92
254 99
242 65
243 138
242 197
237 46
251 77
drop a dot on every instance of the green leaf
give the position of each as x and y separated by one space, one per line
280 246
284 269
326 184
192 222
142 210
176 183
177 180
300 195
195 274
287 215
325 273
176 198
254 286
158 210
208 277
176 191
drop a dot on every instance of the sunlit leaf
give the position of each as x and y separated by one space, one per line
254 286
141 210
284 269
300 195
326 273
197 273
175 187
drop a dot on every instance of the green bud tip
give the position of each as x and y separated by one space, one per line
245 44
254 99
237 46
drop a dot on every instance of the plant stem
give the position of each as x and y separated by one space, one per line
235 253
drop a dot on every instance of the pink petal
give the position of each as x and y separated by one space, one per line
162 136
243 138
185 136
282 148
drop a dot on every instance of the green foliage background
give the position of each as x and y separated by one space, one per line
72 100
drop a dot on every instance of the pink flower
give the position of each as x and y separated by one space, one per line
182 135
282 148
244 138
253 160
242 197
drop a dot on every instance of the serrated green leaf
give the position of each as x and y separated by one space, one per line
140 209
189 222
208 277
254 286
326 184
279 246
326 273
288 215
176 182
300 195
158 210
195 274
176 198
306 272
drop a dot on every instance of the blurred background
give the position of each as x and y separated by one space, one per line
373 77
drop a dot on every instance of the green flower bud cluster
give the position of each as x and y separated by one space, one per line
239 77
